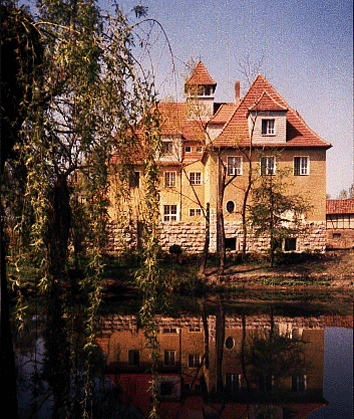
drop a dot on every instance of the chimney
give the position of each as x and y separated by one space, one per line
237 91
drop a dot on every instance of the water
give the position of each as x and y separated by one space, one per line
338 375
187 386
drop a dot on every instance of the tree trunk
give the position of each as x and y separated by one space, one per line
59 223
219 342
206 241
8 370
220 215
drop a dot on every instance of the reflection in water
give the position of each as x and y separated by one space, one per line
252 367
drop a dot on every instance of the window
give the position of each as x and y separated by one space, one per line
170 179
290 244
199 149
229 343
167 147
133 357
266 383
299 383
301 166
230 243
268 127
166 389
193 361
170 358
169 330
170 212
194 329
134 180
195 178
267 166
230 206
195 212
234 166
233 382
188 149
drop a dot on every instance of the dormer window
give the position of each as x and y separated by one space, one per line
268 126
167 148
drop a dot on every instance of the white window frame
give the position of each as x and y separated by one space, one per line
232 167
303 169
234 381
170 179
169 216
193 178
194 360
267 166
269 125
167 147
195 212
169 358
188 149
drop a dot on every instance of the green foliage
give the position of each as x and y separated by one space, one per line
274 212
87 97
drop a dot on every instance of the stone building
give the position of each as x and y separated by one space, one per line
201 140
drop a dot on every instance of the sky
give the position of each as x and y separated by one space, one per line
306 50
305 47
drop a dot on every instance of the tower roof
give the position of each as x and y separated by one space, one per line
200 77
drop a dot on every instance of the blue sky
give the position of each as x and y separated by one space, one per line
308 58
307 50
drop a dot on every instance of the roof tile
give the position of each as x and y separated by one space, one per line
200 76
340 206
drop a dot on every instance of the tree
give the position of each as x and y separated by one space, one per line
274 212
344 194
21 45
87 87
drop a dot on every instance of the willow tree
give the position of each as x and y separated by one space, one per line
89 87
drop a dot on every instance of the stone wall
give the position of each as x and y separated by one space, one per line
191 236
111 323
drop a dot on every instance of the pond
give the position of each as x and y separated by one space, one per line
252 366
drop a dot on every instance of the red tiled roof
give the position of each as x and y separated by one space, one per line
223 114
340 206
175 121
267 103
200 76
339 321
236 131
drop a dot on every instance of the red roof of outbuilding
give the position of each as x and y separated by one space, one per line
262 94
340 206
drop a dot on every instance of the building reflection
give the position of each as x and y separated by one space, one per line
252 367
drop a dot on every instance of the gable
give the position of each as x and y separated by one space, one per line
262 97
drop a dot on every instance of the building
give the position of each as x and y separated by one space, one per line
201 141
187 379
340 223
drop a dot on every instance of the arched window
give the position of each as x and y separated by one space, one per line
229 343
